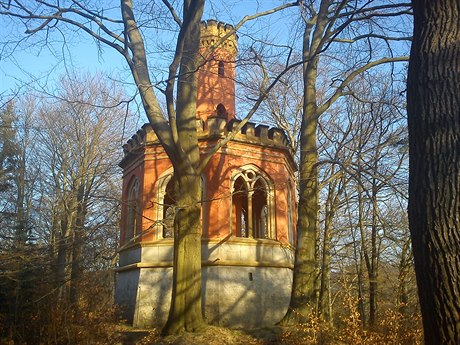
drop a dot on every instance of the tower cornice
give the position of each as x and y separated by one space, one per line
212 31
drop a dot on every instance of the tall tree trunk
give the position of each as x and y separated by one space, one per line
20 236
185 313
373 286
404 267
180 141
365 260
324 302
77 246
434 173
360 283
374 266
358 257
21 226
303 297
60 262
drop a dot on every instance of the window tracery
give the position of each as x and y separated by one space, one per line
166 206
252 204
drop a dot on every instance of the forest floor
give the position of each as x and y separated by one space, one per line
394 332
212 335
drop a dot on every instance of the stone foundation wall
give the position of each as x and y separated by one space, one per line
246 282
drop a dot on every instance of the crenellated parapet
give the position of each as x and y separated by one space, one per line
143 136
212 31
137 143
214 128
251 133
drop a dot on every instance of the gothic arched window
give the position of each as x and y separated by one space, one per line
252 204
221 111
165 206
133 213
240 207
168 210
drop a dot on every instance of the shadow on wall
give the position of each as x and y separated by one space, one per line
245 297
126 293
233 295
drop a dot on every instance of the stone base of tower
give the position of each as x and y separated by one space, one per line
246 282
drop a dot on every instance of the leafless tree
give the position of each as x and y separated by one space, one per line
80 132
351 34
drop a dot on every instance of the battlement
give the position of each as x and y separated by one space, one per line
212 31
139 140
251 133
212 129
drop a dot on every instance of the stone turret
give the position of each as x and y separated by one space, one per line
216 76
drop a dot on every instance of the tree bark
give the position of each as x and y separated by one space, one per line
324 300
303 296
375 255
185 313
77 246
434 173
180 141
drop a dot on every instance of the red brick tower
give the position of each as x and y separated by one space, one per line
248 209
216 76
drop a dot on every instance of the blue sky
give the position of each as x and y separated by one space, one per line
43 65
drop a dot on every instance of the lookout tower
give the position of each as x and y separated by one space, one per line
248 209
216 76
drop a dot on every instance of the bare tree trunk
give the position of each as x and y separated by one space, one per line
434 173
20 234
358 257
62 247
374 266
404 267
360 282
77 246
21 226
365 259
185 313
303 297
373 286
324 302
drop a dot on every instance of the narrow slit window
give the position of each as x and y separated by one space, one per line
220 70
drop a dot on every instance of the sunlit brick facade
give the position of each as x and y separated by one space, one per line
248 209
